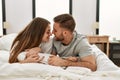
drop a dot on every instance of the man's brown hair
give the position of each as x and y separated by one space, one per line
66 21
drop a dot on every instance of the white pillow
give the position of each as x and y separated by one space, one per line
4 56
103 62
6 41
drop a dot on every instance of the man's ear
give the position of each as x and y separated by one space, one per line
65 32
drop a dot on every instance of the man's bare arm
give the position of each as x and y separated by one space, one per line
88 62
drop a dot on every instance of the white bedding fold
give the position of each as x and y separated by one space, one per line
106 70
37 71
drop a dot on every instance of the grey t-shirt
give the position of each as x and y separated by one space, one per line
79 47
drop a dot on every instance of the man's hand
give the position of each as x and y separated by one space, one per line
74 59
56 61
88 62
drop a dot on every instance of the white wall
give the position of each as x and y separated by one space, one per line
84 12
110 18
48 9
18 14
1 27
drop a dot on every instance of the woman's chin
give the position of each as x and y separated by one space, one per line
47 40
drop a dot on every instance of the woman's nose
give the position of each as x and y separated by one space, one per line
50 34
52 31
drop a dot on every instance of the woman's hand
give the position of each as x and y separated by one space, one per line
32 51
32 59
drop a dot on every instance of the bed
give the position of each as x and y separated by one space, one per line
106 69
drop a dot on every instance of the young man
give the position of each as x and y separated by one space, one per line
73 48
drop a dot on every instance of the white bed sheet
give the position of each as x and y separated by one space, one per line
106 70
36 71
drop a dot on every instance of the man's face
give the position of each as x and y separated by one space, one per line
58 32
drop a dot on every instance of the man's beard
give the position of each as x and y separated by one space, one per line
59 39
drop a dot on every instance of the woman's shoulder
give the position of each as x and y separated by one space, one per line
47 44
50 41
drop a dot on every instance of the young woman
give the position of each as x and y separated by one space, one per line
32 40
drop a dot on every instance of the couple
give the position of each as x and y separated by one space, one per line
73 49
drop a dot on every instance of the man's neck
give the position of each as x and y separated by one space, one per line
68 39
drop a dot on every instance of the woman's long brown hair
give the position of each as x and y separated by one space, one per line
30 37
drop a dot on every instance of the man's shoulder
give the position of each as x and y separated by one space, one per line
80 40
80 37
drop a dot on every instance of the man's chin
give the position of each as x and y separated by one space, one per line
57 39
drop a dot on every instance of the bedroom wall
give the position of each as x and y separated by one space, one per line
1 27
84 12
110 19
19 13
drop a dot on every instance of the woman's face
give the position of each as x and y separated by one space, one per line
47 34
